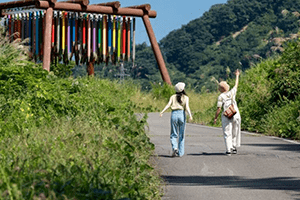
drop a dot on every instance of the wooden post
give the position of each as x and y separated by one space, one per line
157 53
90 68
47 39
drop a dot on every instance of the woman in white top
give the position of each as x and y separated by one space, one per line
231 127
179 103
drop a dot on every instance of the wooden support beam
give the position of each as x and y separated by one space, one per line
14 4
145 7
156 50
95 9
47 39
114 4
81 2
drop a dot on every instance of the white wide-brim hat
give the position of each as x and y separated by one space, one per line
179 87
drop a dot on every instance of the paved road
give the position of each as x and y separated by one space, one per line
264 168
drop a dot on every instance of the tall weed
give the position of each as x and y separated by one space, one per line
65 138
162 92
203 106
79 158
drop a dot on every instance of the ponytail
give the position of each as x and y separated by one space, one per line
179 95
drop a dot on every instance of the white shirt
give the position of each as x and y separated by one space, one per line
227 98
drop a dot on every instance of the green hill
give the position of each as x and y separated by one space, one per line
229 36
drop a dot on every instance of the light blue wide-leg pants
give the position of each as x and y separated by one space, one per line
178 119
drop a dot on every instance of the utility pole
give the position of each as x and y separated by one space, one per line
122 73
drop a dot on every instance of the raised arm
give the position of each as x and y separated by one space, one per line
237 74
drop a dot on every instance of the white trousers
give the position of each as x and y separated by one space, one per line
232 131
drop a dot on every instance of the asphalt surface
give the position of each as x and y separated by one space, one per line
264 168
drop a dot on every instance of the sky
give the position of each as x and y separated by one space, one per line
171 14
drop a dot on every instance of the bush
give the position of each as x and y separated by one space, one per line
91 146
254 95
31 95
285 74
282 120
78 158
70 138
163 91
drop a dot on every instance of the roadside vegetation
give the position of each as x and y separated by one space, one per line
65 138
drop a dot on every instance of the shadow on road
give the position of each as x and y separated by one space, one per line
278 183
280 147
194 154
164 156
206 154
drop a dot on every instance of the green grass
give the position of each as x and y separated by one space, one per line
88 146
65 138
203 106
79 159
